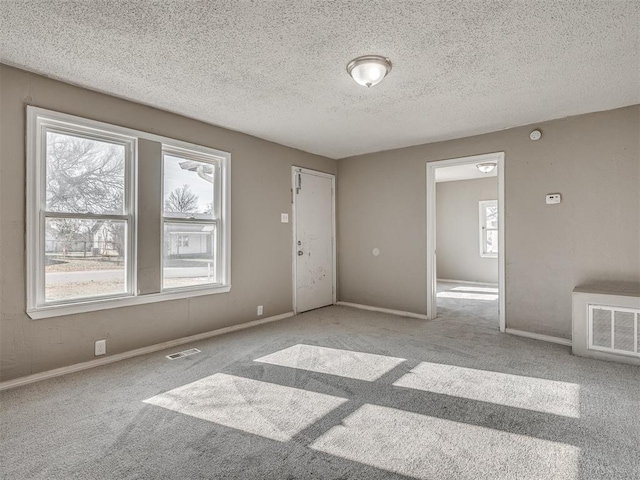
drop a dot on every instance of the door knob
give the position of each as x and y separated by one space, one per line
300 252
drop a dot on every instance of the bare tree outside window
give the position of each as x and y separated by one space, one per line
188 188
181 200
82 210
190 244
84 176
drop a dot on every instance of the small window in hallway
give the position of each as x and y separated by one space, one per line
489 228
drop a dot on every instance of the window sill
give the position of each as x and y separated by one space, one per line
489 255
107 304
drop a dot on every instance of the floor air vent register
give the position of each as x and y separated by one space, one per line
184 353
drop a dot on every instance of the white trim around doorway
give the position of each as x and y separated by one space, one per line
498 158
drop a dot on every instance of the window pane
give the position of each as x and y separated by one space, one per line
188 188
84 176
189 254
84 258
492 241
491 216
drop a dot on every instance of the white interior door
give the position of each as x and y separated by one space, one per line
314 251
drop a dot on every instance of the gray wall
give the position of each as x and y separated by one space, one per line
457 230
261 245
593 160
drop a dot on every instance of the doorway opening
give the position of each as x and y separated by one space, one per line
314 246
465 240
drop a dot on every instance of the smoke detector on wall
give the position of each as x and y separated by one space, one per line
535 135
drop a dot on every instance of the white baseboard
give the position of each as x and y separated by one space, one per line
466 282
383 310
520 333
537 336
36 377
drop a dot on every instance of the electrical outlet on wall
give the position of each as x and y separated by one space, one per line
101 347
260 310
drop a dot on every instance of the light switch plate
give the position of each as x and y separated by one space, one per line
284 217
553 198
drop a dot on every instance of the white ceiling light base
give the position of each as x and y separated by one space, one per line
369 70
486 167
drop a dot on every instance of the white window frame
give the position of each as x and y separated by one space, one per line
36 201
483 204
40 125
218 219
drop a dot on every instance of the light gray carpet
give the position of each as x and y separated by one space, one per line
475 305
336 393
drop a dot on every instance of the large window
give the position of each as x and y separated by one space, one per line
191 205
82 216
489 228
83 224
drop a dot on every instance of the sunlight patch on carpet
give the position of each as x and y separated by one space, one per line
468 295
541 395
476 289
333 361
261 408
426 447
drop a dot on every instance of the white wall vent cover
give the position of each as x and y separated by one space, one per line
614 330
184 353
606 321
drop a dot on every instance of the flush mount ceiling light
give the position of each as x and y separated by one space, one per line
486 167
369 70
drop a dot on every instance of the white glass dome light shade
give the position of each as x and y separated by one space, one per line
369 70
486 167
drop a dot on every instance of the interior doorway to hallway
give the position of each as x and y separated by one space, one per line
465 240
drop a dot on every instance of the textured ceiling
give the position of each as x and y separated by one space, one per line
276 69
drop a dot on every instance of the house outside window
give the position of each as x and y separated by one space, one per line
191 192
183 240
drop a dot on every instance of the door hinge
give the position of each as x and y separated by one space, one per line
298 182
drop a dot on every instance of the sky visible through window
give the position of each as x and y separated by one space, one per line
198 197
